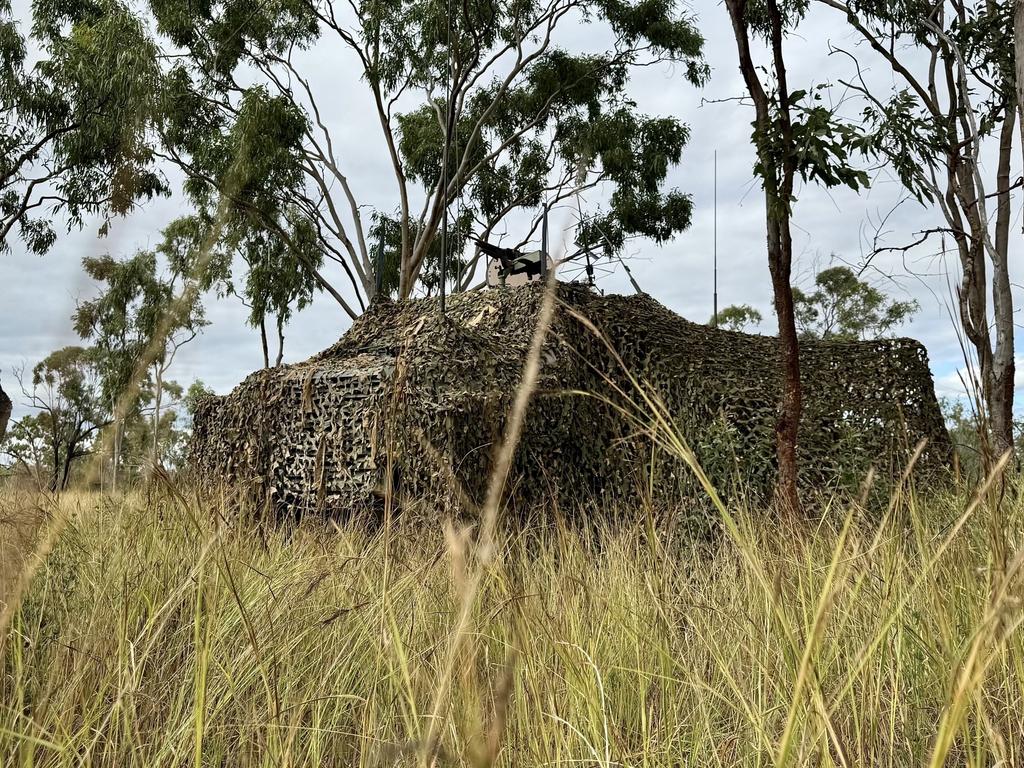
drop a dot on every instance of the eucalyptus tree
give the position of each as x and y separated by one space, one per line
275 284
795 136
481 111
736 317
137 315
144 431
110 322
845 306
75 125
66 394
77 105
956 92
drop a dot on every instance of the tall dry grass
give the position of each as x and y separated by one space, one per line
145 630
154 634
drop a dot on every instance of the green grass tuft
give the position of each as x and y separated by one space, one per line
152 635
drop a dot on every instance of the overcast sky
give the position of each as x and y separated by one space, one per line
38 294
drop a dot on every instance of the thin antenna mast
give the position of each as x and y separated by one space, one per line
714 250
544 247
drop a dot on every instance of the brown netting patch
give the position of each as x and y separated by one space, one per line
409 398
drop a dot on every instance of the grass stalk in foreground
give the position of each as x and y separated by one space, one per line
150 635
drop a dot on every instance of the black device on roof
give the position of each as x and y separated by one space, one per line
512 262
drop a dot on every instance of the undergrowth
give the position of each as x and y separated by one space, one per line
147 631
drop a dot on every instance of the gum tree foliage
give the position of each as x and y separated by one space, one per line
119 338
967 433
385 245
736 317
842 306
179 428
171 436
149 432
795 136
480 112
273 287
969 436
138 315
70 410
955 92
75 124
194 395
77 100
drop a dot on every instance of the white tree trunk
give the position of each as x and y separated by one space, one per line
118 429
158 392
1001 379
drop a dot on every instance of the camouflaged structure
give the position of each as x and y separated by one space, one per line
425 399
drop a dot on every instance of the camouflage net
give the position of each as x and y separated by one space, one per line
425 398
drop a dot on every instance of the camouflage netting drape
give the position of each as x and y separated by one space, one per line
423 398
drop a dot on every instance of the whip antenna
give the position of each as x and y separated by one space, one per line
714 250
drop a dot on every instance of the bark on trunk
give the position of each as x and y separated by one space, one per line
263 339
780 260
157 395
68 458
999 383
407 275
55 476
280 341
776 153
118 439
969 233
6 406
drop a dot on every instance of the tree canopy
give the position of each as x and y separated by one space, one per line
69 411
736 317
843 306
75 126
508 122
144 313
954 92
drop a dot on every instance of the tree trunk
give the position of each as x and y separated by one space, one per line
999 383
6 406
66 472
970 232
55 478
780 261
116 468
776 155
280 340
263 339
157 395
406 275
